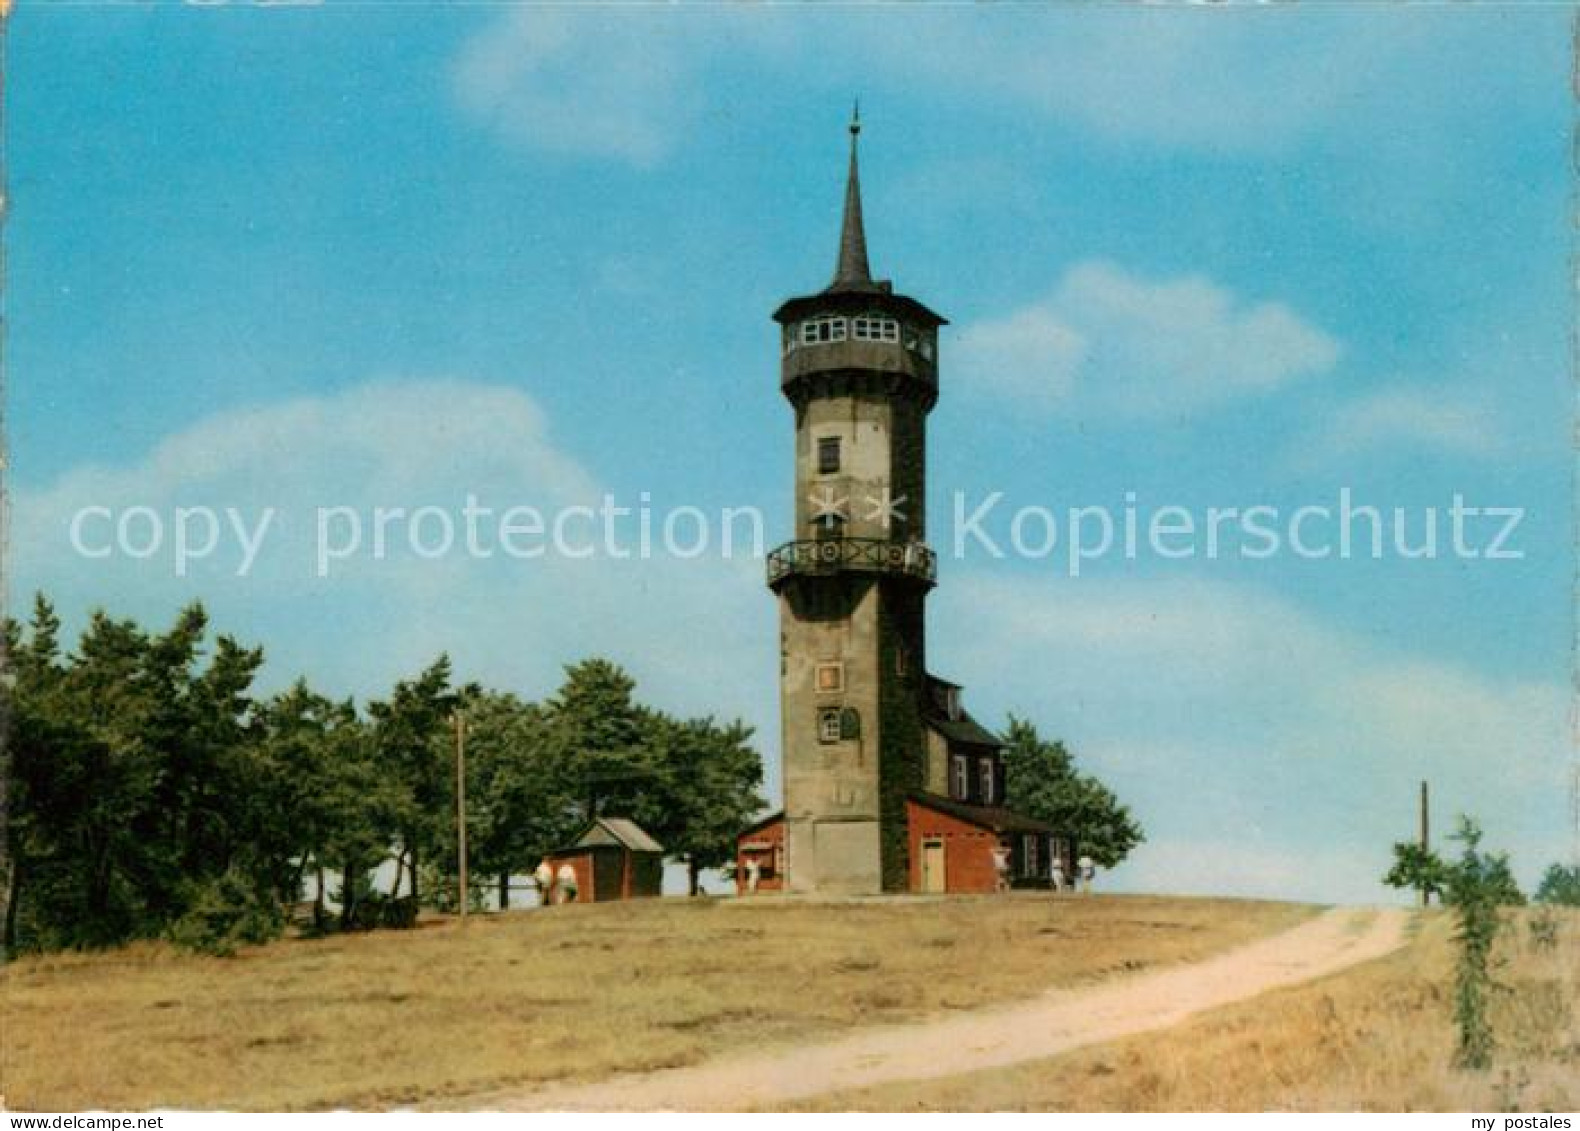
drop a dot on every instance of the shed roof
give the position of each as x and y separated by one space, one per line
619 832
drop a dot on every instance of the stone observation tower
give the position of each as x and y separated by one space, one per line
859 366
888 784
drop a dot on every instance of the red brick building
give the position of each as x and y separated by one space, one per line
612 858
762 844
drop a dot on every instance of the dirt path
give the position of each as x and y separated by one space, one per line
1052 1023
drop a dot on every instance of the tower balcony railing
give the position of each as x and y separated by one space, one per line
823 556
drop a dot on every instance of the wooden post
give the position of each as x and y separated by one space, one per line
460 804
1426 838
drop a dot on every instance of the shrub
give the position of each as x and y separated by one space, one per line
225 913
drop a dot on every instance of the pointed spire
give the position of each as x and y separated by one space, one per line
852 270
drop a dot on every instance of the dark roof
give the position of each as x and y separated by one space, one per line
853 287
964 729
851 272
993 817
761 823
935 713
614 832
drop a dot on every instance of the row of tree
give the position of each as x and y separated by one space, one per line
150 791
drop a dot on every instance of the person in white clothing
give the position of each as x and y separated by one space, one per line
544 878
1000 868
566 884
754 872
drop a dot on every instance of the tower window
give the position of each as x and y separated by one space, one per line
988 782
961 778
827 455
816 330
831 677
850 723
828 724
874 329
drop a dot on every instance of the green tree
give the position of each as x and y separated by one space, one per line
1043 781
597 738
128 775
703 790
521 802
1476 886
1416 868
413 743
1560 885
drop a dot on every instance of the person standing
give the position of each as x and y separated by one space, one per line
1056 873
1087 871
566 884
544 878
1000 868
754 873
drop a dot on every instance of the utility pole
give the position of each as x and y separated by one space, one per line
1426 839
460 803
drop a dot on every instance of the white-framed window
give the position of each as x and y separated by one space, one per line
828 724
927 347
961 776
1029 863
817 330
988 780
830 677
872 328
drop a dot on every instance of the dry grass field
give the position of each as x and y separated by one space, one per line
1377 1038
574 993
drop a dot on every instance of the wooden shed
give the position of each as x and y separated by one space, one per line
613 858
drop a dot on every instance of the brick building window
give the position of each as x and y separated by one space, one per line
960 778
827 455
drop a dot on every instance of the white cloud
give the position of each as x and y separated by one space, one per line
1231 714
697 634
1449 419
599 82
1111 340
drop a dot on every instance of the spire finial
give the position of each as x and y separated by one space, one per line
852 268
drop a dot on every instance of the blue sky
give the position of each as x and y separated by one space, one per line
374 255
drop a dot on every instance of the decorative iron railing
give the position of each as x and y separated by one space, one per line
867 555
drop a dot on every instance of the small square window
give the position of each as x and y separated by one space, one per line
827 455
828 725
831 677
